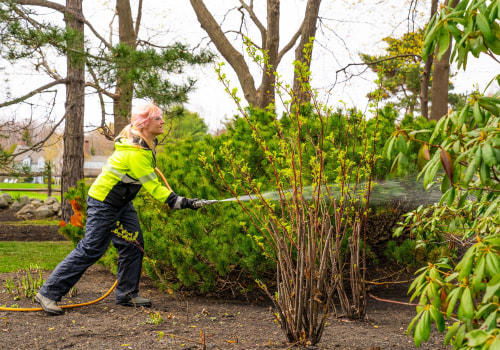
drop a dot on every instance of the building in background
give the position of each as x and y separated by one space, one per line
92 164
31 163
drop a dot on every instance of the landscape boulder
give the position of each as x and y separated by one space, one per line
3 203
26 212
20 203
5 200
31 208
51 200
42 212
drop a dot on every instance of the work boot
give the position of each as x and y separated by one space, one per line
136 301
50 306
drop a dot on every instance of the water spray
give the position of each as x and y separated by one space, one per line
406 190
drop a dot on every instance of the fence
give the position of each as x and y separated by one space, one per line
49 188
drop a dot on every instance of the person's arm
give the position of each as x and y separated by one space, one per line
142 169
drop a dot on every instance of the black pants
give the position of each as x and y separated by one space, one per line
102 220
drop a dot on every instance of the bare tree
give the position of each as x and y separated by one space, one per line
440 78
426 75
124 85
72 170
264 94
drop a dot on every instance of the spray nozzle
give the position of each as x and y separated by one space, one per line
202 202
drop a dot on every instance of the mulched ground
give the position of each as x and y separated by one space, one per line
186 322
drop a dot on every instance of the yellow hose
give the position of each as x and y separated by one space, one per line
163 178
90 302
62 306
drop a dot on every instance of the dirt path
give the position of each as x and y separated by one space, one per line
225 324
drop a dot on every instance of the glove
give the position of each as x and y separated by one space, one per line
193 204
175 201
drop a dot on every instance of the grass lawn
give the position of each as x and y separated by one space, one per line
16 256
39 195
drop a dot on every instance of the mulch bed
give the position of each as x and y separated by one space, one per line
186 321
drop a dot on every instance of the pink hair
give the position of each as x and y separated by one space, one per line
142 115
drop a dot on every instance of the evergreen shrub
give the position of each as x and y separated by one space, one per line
217 248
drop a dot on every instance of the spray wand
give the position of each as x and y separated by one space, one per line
202 202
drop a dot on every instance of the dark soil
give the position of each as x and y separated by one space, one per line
224 323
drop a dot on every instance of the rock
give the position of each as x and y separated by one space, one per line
42 212
20 203
3 203
36 203
26 212
7 197
55 208
51 201
26 208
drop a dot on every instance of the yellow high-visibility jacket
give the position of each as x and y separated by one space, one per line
131 166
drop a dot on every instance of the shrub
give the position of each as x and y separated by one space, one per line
75 229
466 144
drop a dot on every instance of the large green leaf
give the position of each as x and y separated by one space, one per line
467 304
437 316
488 154
476 337
443 42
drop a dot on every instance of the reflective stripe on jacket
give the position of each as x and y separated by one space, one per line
129 168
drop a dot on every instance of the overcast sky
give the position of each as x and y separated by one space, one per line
348 28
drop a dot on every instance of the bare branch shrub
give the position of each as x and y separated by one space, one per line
312 223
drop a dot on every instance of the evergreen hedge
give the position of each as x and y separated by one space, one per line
217 248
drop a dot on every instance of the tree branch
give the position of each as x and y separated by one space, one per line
377 61
99 89
254 18
51 5
50 72
65 11
291 43
98 36
233 57
34 92
100 92
139 18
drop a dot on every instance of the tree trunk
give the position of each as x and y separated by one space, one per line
424 92
263 95
230 54
308 31
426 75
72 170
267 88
440 79
124 91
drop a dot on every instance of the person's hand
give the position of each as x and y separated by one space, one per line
192 204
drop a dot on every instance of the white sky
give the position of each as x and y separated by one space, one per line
349 27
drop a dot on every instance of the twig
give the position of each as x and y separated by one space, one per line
392 301
187 339
452 317
380 283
